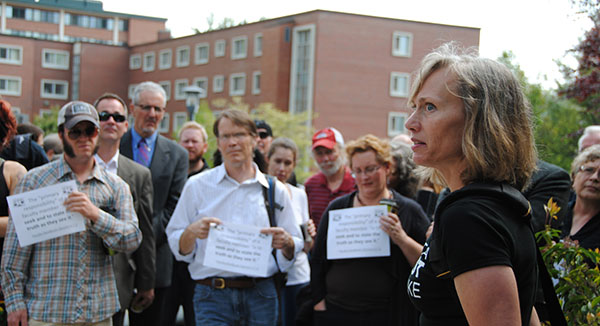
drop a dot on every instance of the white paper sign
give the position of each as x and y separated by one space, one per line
40 215
239 249
355 233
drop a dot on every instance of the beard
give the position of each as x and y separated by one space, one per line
195 159
68 149
334 168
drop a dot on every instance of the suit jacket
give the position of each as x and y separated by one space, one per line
168 166
138 269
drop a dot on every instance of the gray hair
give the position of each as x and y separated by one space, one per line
589 154
594 129
150 87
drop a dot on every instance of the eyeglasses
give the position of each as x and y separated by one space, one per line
90 132
104 116
158 109
369 170
588 170
263 134
236 136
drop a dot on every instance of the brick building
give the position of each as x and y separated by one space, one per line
349 71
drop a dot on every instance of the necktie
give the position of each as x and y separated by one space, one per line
143 153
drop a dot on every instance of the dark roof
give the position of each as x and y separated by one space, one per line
85 6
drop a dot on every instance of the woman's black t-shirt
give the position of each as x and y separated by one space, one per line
474 229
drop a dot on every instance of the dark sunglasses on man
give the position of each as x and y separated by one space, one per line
75 133
104 116
263 134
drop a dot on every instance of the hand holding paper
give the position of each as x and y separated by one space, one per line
281 240
79 202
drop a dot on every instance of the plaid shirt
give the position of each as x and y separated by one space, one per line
70 278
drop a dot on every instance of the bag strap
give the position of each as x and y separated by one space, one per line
269 196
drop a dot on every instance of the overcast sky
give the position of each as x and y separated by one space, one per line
537 31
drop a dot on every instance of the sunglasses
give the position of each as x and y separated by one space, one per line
104 116
263 134
90 132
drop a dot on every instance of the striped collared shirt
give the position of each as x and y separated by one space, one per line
70 279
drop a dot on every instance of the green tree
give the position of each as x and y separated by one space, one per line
47 121
557 121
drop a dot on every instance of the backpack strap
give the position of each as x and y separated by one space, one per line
269 195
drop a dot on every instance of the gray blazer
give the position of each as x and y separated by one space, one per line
138 269
169 166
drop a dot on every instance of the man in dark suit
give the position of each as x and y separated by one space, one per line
132 271
168 163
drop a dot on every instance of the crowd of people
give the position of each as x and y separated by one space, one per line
463 194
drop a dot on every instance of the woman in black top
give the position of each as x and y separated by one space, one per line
369 291
471 127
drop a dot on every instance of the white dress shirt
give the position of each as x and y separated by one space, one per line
300 272
215 194
112 165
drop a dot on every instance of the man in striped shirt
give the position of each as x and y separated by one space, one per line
70 280
335 178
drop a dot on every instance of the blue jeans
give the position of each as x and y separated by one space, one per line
253 306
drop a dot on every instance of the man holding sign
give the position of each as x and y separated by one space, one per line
230 196
69 279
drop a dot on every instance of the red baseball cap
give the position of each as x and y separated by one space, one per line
327 138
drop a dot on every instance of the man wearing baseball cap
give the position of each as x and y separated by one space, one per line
70 280
334 179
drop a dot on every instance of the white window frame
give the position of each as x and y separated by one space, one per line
132 64
180 62
197 59
54 65
258 40
396 51
232 91
395 92
130 90
218 87
391 119
43 94
178 116
205 79
166 85
163 126
255 89
220 48
9 47
12 78
179 93
238 56
149 68
167 65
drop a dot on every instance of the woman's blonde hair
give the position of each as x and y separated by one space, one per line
589 154
370 143
497 143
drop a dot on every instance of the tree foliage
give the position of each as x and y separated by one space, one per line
47 121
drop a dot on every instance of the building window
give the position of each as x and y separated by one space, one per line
165 58
202 82
10 85
20 117
179 118
301 74
148 61
402 44
130 90
237 84
202 51
135 61
183 56
166 85
256 82
180 84
218 83
55 59
57 89
11 54
239 47
220 48
399 83
396 122
163 127
258 38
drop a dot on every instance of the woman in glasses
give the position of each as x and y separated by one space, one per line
471 129
369 291
582 222
10 171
